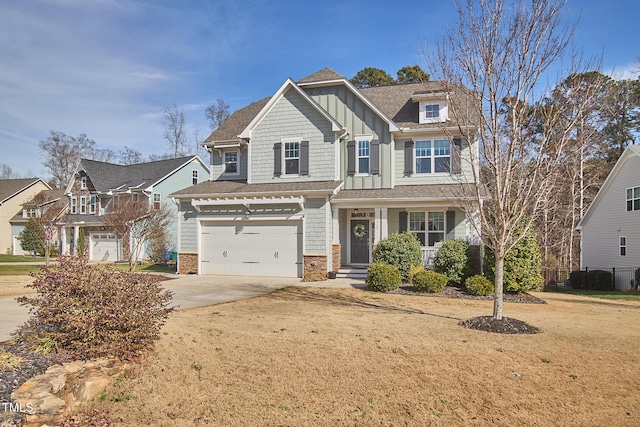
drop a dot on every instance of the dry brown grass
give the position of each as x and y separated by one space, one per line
15 285
349 357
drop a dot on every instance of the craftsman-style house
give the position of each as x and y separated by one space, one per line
310 179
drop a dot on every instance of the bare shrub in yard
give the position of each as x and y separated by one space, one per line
97 311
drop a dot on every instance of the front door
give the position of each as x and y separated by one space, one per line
359 241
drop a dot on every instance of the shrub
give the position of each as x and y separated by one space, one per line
599 280
576 279
314 277
452 260
429 281
402 250
479 285
97 311
383 277
522 266
637 278
413 270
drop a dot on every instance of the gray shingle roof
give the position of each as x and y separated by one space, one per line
55 196
231 188
9 187
109 176
322 75
84 219
237 122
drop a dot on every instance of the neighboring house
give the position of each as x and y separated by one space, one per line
52 204
611 226
13 194
310 179
96 185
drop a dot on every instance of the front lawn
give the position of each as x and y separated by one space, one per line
611 295
18 258
24 270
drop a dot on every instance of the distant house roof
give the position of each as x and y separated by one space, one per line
107 177
11 187
326 74
53 198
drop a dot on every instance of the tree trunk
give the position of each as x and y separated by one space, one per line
47 254
499 286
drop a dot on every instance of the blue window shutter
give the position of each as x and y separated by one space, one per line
277 159
304 158
351 158
374 157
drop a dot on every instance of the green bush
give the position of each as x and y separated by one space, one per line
96 311
479 285
599 280
522 266
429 281
413 270
383 277
452 260
576 279
402 250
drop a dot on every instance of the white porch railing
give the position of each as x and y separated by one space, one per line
428 253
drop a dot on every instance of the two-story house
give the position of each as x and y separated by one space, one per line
611 225
96 185
311 178
48 206
13 194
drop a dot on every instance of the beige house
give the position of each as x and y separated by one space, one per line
13 194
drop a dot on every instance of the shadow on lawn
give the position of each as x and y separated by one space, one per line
336 298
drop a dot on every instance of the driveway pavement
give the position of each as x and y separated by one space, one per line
191 291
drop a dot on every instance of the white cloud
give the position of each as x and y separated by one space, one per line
625 72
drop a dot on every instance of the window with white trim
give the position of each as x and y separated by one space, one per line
231 163
30 213
623 246
431 111
363 157
291 158
428 227
83 183
156 200
433 156
633 199
92 204
74 205
83 204
194 177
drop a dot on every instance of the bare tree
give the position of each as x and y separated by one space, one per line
134 220
129 156
174 130
500 50
198 138
7 173
217 113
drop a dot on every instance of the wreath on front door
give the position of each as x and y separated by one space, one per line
359 231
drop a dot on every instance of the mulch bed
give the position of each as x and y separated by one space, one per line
506 325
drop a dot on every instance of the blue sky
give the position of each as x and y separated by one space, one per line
107 68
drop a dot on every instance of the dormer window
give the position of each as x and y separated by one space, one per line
231 163
83 183
433 112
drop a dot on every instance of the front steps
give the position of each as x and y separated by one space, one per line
348 272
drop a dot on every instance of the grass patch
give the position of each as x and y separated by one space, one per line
147 268
19 258
610 295
9 361
18 270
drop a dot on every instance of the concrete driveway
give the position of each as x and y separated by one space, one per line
191 291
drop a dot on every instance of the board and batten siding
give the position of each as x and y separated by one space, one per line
179 180
293 117
344 106
609 220
420 179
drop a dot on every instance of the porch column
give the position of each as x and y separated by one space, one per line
63 241
76 234
384 223
335 220
377 225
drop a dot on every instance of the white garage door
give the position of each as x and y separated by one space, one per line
252 248
104 247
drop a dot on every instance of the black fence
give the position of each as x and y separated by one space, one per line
618 279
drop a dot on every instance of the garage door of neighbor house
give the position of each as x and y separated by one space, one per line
104 247
252 248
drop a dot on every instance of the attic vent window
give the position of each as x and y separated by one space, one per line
83 183
433 112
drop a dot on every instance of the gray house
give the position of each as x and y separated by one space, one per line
96 184
310 179
611 226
